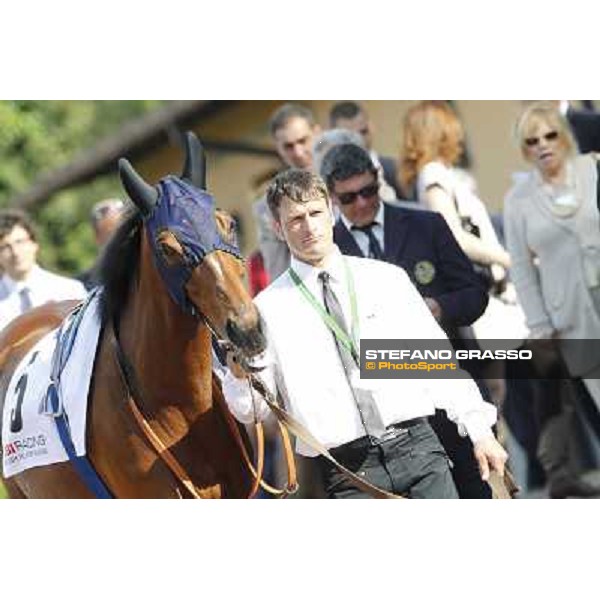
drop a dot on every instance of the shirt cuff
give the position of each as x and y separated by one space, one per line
478 425
238 398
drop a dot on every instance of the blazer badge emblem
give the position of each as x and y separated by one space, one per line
424 272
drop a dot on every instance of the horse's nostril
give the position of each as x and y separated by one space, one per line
233 332
252 340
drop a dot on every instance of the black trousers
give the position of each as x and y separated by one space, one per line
413 464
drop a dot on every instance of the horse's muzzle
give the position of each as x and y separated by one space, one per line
249 340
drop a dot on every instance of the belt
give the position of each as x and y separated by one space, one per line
392 432
397 429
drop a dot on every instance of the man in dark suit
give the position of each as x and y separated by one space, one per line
422 244
351 115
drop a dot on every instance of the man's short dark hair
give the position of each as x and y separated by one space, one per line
345 161
299 185
344 110
13 217
279 119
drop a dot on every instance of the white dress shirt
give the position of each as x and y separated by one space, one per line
43 286
361 238
302 358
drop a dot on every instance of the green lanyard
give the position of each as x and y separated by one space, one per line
349 342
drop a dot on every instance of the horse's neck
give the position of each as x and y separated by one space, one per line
170 352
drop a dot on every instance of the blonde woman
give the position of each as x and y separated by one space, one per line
553 234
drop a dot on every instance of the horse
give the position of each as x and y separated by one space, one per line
172 278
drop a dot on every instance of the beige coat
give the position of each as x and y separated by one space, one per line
556 263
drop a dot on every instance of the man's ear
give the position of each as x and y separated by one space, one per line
278 230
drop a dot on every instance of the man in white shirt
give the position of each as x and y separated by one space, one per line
377 428
25 284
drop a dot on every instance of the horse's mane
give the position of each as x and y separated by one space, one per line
119 264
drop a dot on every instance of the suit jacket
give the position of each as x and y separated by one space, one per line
422 244
585 125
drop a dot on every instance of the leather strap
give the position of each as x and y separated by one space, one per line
502 487
133 391
130 383
292 484
301 432
163 452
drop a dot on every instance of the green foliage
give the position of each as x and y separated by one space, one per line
38 136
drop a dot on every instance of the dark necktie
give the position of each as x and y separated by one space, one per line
25 298
367 409
374 247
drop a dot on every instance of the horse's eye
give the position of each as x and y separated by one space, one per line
171 255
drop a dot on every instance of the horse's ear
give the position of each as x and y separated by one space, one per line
143 195
194 169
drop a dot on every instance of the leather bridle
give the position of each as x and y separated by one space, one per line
134 401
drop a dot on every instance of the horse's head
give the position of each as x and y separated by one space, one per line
195 250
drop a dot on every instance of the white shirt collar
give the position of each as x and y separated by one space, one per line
13 285
379 217
333 265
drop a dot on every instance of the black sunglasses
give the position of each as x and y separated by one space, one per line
366 192
534 141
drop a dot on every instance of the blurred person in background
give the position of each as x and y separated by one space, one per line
326 140
354 117
432 146
25 284
585 125
553 233
105 217
433 138
293 129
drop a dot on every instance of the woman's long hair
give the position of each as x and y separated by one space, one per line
432 131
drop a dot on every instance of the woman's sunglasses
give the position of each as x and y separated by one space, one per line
534 141
367 192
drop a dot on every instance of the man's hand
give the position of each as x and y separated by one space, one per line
434 307
234 365
490 455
